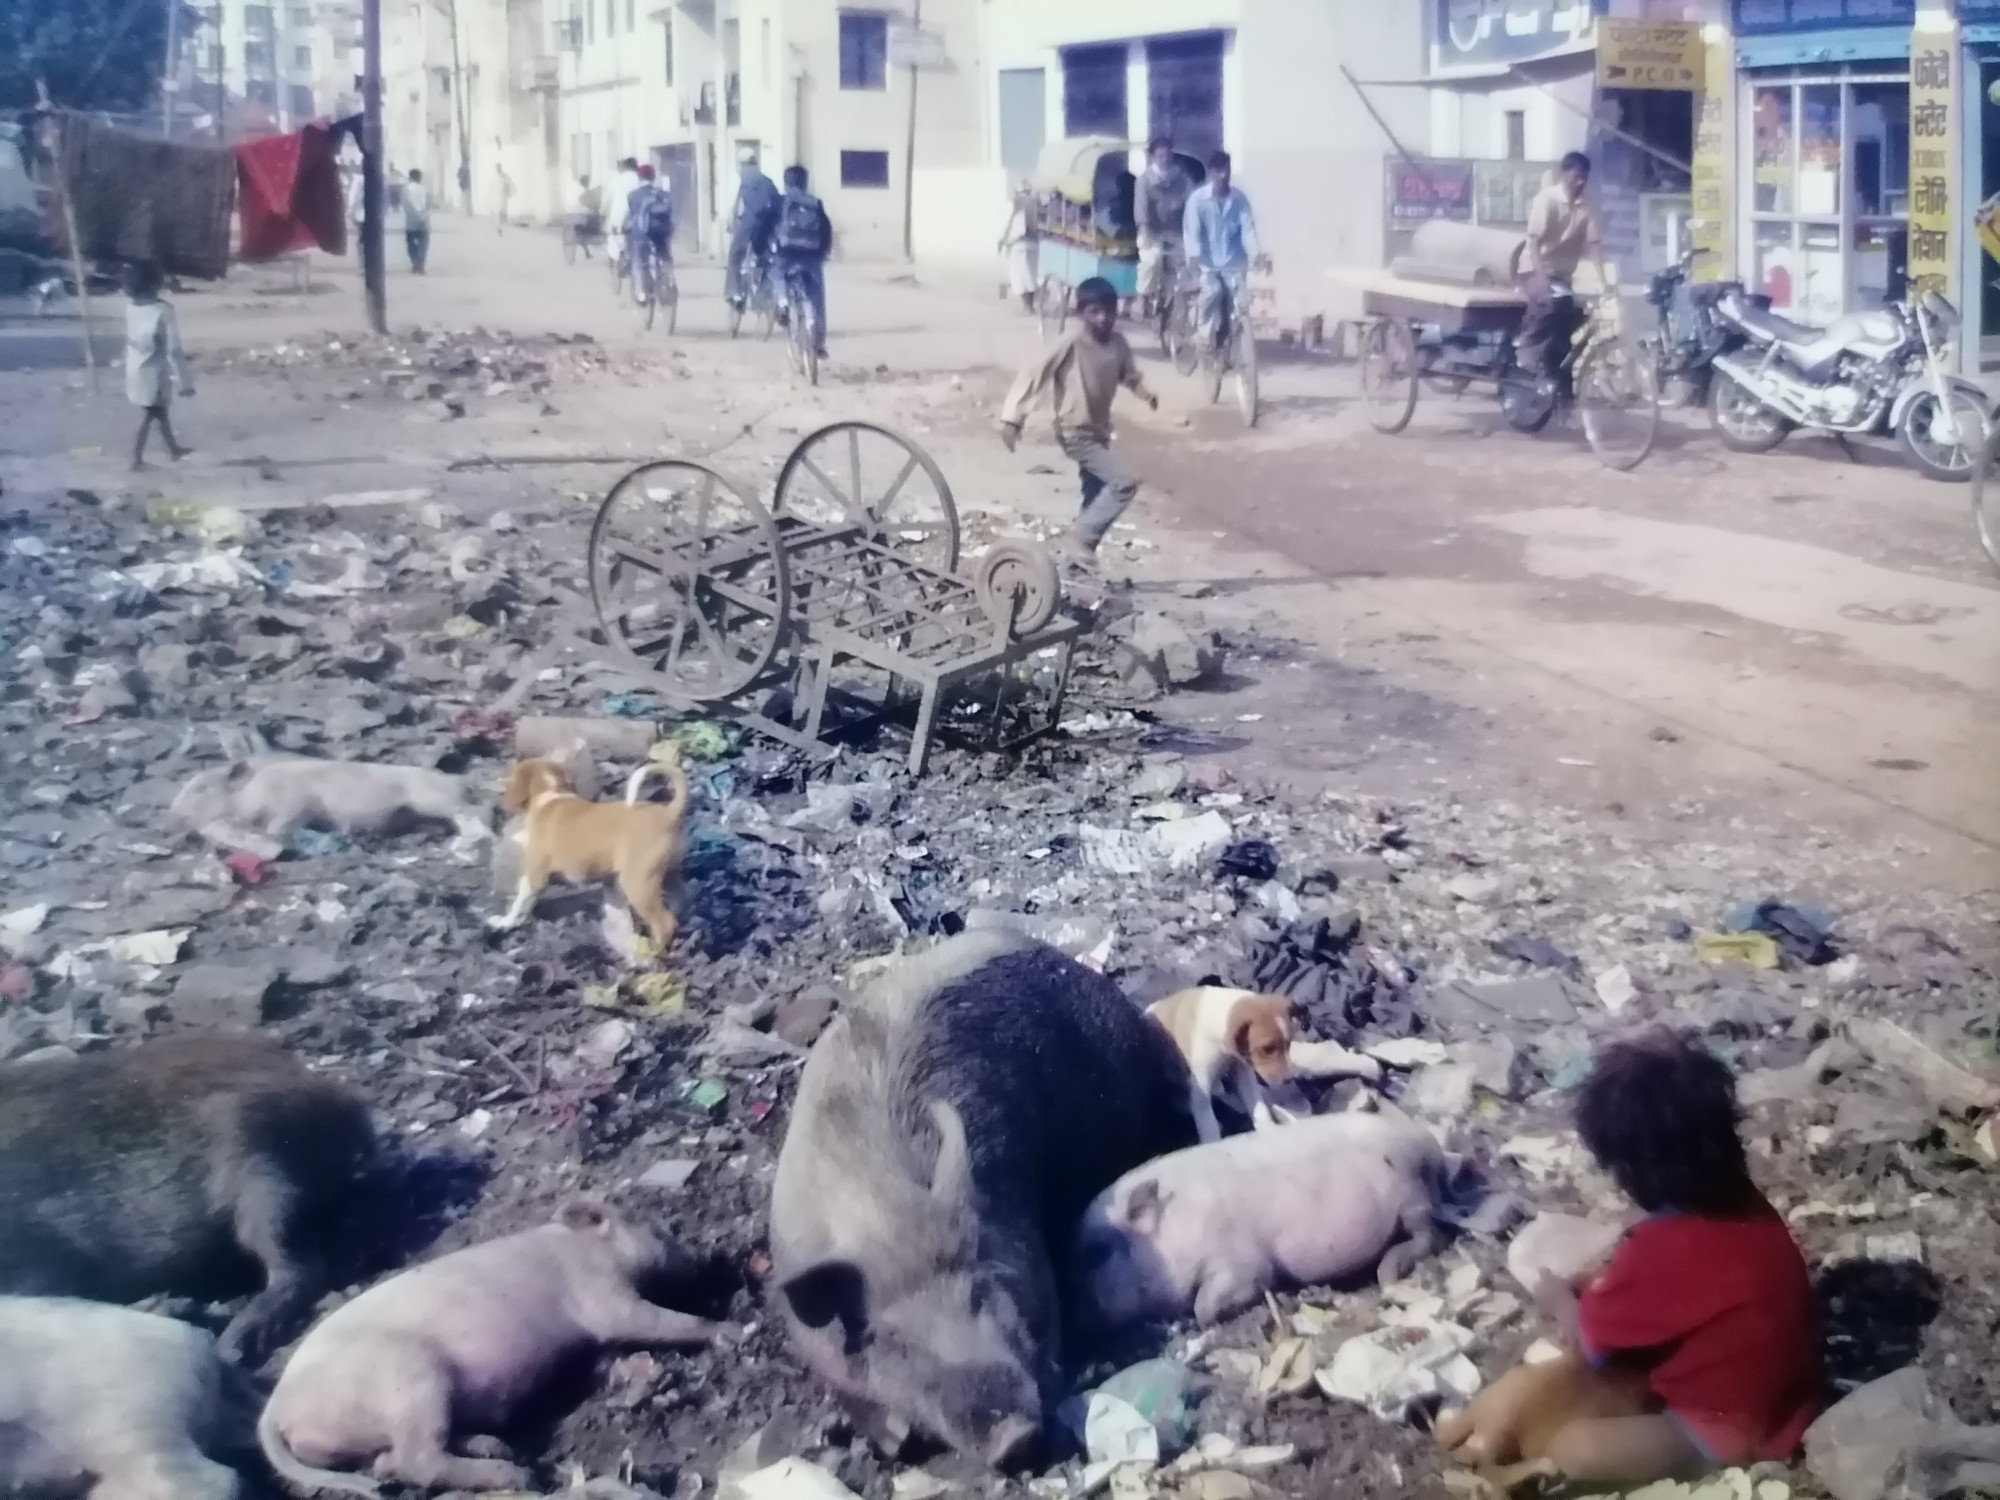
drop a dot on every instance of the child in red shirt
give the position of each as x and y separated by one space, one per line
1708 1294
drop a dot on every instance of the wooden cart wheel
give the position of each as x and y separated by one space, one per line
689 579
860 474
1018 586
1388 374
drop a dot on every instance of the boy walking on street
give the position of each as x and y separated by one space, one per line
417 220
1081 374
155 365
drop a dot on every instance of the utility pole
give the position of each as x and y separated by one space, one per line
462 107
374 267
910 140
170 70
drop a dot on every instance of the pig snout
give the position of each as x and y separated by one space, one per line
993 1412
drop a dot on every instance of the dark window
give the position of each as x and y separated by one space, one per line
864 169
257 18
1094 91
1517 135
301 102
257 56
261 92
864 52
302 15
302 58
1184 91
667 32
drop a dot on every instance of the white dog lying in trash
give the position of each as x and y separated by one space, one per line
278 793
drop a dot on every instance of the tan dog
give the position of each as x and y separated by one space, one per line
1506 1431
639 844
1237 1044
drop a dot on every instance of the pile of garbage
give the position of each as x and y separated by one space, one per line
1477 953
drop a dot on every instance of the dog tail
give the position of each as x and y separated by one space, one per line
294 1471
667 761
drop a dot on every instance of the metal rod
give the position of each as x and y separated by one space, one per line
910 147
374 264
77 267
1375 114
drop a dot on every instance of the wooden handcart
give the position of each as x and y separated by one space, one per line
770 614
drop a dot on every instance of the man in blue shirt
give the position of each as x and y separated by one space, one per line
1221 235
755 216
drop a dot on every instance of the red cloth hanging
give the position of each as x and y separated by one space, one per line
289 194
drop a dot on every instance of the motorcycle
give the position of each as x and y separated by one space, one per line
1689 334
1868 373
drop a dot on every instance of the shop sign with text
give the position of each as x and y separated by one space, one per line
1709 211
1493 33
1765 17
1932 64
1649 54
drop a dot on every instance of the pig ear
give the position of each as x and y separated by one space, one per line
832 1291
1144 1207
951 1177
584 1217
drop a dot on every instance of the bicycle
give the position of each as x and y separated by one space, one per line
802 330
654 286
1232 351
1601 374
759 301
1175 315
579 233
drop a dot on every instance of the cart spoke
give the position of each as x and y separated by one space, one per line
880 509
832 489
854 463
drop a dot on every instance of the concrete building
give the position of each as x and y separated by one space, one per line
1260 78
249 69
550 91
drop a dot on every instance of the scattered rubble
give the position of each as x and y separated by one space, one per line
1478 952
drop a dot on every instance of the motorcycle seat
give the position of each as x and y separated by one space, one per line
1784 329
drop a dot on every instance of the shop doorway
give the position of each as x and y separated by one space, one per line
1828 178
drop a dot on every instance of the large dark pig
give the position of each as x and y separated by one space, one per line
161 1167
951 1126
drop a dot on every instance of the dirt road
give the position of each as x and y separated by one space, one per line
1798 641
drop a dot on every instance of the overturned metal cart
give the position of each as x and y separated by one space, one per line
765 613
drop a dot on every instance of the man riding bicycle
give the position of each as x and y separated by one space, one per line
1159 204
1221 236
649 220
800 242
1562 229
751 221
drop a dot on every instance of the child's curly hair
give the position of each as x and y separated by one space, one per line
1659 1113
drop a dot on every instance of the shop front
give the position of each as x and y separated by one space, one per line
1824 142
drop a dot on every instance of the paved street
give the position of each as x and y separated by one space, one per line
1792 646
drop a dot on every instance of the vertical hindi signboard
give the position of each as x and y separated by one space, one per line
1933 70
1709 215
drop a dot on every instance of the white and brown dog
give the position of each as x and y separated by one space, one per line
638 844
1239 1047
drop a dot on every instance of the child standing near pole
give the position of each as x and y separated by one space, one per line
155 364
1080 375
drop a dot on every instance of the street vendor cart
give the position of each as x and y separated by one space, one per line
1084 222
1448 315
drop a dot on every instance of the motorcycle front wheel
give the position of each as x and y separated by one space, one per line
1949 461
1745 424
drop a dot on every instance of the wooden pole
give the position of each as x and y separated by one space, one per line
374 263
49 125
170 71
910 140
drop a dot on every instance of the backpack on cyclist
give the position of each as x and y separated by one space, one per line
802 226
654 219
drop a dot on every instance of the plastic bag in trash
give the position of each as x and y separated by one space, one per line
1143 1414
1393 1369
1893 1439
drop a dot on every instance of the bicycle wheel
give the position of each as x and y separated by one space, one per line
569 246
670 296
1388 374
1051 305
1618 398
767 313
806 331
620 267
1246 373
1985 500
735 316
